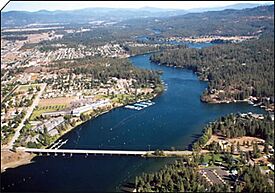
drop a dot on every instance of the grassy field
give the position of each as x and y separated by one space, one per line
43 109
265 167
217 157
24 88
123 98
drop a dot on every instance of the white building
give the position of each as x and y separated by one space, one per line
95 105
50 125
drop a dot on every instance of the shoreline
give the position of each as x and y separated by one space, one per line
267 109
27 159
96 115
24 160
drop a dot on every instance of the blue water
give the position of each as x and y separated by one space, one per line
145 39
176 119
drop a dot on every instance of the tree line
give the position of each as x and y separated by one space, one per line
184 176
235 125
241 70
102 69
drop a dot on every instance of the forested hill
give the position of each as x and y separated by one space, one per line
253 21
234 71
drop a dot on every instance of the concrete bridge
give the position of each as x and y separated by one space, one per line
102 152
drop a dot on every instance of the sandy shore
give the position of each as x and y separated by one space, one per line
10 159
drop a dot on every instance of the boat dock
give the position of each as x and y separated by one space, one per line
140 105
58 144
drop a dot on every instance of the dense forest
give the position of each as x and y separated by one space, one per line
232 126
238 126
240 70
184 176
103 69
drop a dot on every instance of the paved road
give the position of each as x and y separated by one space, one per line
178 152
28 114
2 99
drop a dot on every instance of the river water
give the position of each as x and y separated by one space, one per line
176 119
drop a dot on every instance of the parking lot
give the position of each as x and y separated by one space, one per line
215 175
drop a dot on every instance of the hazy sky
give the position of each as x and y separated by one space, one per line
69 5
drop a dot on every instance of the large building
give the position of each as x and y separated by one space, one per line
95 105
50 125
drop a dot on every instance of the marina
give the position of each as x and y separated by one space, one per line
140 105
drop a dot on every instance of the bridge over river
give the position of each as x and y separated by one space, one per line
103 152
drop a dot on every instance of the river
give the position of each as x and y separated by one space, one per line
176 119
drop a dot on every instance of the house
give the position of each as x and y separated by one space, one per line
234 172
53 132
271 166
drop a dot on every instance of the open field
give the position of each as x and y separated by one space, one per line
241 140
56 101
51 105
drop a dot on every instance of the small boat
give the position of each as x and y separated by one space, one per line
250 102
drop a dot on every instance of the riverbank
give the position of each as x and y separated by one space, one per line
11 159
214 98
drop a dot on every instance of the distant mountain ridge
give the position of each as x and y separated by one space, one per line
228 22
21 18
237 6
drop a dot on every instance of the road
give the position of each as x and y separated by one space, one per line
171 153
3 99
28 114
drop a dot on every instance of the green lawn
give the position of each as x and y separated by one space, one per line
265 167
208 157
101 97
26 87
51 108
122 97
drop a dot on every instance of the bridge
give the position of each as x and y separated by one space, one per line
101 152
